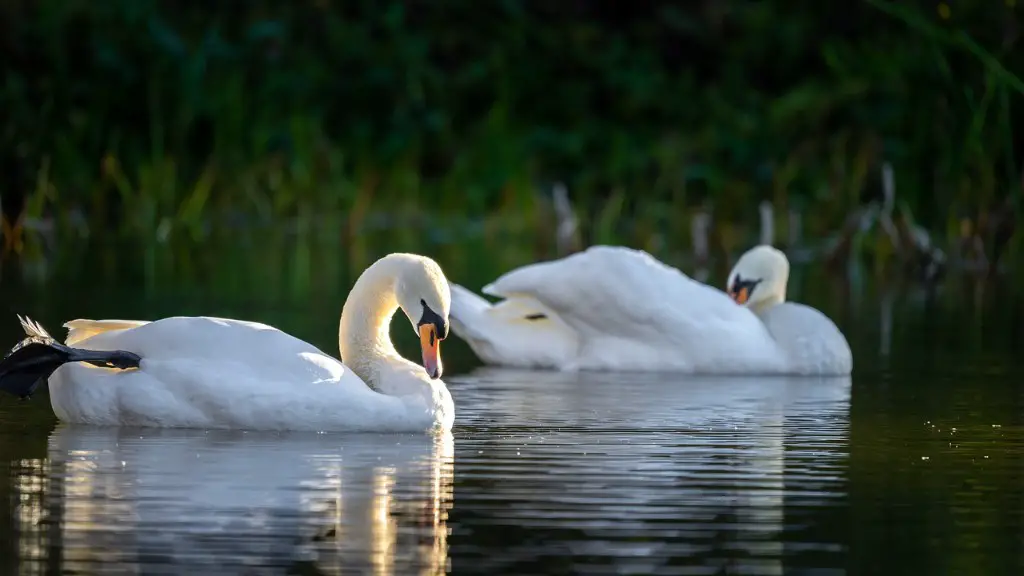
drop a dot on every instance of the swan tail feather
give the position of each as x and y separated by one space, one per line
81 329
32 328
34 359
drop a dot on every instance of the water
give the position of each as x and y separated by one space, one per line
652 475
915 465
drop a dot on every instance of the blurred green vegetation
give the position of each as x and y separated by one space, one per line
149 119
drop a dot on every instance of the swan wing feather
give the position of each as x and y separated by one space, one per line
610 288
82 329
517 331
632 309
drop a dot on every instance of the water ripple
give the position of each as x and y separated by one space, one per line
553 473
114 500
645 474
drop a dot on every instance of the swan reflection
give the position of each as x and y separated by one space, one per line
186 501
718 463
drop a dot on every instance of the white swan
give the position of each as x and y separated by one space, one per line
199 372
807 337
621 309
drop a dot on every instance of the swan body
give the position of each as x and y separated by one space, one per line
204 372
615 308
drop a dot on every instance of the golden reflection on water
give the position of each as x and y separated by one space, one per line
126 498
383 526
30 478
395 532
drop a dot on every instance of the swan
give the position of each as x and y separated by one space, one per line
615 308
808 338
205 372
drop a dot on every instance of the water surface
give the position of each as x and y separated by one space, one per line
915 465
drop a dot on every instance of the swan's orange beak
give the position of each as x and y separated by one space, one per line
741 295
431 346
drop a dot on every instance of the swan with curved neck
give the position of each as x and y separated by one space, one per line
411 283
204 372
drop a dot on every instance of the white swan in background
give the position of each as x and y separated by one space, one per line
200 372
616 308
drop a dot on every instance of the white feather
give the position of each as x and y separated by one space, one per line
33 329
616 308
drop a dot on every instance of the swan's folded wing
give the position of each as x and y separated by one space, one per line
577 286
628 295
586 288
79 330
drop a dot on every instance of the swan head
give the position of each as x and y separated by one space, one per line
424 296
759 278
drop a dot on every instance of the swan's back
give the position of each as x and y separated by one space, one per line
199 337
217 373
246 350
632 311
812 342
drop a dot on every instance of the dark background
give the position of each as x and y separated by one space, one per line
123 114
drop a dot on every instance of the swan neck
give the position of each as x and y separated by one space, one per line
364 335
773 298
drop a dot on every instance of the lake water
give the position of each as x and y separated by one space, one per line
915 465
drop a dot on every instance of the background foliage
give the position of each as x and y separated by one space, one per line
157 117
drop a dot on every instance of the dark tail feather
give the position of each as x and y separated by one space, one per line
32 362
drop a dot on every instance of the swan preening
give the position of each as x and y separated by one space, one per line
202 372
621 309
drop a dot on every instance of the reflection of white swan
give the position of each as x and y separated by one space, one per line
638 399
182 500
650 467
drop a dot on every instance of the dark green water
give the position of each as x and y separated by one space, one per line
913 466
